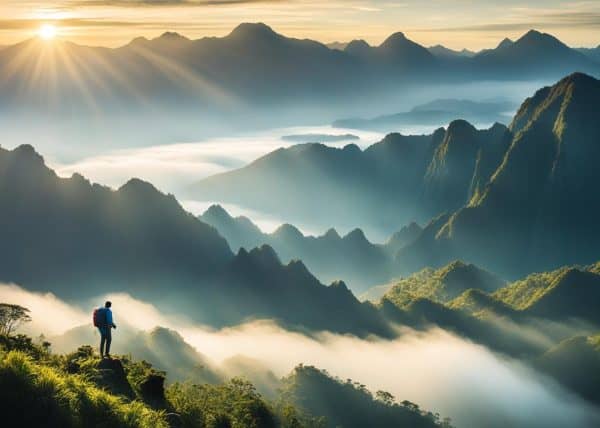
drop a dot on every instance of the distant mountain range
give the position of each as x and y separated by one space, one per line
516 199
446 53
319 138
435 112
593 53
353 258
172 70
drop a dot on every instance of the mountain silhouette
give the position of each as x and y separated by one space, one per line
443 52
434 113
330 256
172 71
534 52
80 239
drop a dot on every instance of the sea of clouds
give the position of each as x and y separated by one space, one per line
436 369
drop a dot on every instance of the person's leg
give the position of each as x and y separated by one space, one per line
108 340
102 340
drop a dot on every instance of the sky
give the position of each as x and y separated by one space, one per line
473 24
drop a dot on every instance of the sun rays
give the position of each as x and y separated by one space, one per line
50 71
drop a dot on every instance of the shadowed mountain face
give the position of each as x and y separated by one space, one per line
536 211
359 262
80 239
575 363
593 53
443 52
396 181
345 404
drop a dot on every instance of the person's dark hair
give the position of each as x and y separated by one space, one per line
107 304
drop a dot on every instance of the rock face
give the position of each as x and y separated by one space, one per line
152 389
462 164
537 211
114 378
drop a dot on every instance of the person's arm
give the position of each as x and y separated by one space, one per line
109 319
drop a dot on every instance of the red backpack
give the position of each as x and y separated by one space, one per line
99 317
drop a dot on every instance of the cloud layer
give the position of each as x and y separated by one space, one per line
435 369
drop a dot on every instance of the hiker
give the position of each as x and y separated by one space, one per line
103 319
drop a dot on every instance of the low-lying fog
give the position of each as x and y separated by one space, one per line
436 369
173 168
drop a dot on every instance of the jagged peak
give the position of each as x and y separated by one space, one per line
340 285
352 148
27 151
578 78
265 254
460 126
332 234
535 37
138 186
172 35
357 46
356 235
287 230
138 40
506 42
497 126
397 37
217 211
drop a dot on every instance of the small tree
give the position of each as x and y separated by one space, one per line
11 317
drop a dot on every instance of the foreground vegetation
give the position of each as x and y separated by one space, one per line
81 390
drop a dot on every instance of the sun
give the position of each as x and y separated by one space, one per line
47 31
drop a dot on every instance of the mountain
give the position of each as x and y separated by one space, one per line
396 54
462 164
404 54
562 294
359 262
172 70
389 179
403 237
534 212
79 240
346 404
443 52
532 54
442 285
435 112
575 363
592 53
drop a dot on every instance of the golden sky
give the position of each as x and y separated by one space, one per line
473 24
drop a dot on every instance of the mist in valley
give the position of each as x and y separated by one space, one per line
434 368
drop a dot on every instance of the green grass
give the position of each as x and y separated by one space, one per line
41 394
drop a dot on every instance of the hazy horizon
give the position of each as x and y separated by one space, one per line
458 24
